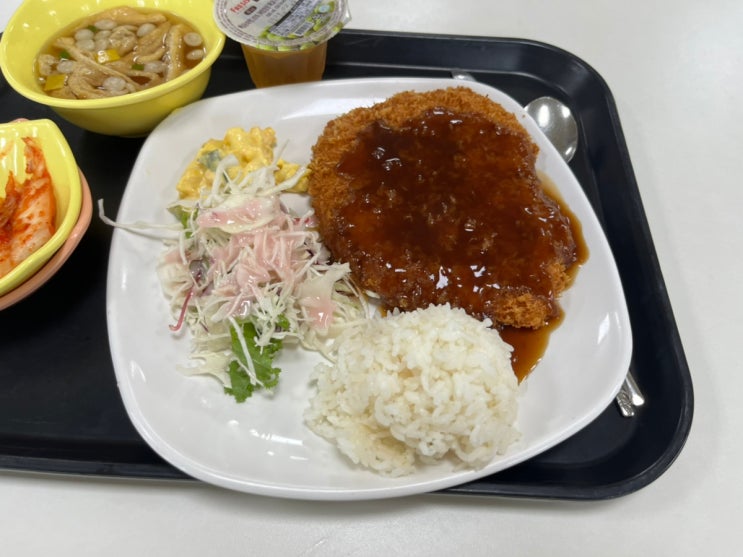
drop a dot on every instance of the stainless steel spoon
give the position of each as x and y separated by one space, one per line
558 124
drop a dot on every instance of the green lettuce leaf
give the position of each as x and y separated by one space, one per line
241 386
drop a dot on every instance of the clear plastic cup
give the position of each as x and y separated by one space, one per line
283 41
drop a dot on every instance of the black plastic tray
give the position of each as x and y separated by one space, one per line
60 409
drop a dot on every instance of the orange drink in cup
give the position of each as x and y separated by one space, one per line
283 41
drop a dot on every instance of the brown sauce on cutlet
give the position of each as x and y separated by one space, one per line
529 344
459 194
451 202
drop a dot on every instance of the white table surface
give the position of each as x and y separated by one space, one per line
676 70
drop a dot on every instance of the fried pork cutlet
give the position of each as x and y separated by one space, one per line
433 197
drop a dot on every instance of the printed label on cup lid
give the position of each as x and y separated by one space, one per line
281 24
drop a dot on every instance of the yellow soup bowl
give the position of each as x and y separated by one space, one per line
135 114
66 185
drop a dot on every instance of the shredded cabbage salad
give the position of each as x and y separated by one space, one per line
246 276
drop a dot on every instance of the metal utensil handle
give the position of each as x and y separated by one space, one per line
629 398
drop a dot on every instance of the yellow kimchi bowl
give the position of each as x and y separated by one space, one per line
66 184
131 115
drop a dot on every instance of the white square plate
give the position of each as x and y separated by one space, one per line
262 446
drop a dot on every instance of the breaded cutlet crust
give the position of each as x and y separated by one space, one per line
515 306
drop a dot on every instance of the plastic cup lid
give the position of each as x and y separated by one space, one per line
281 24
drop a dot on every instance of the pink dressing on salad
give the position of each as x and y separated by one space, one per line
250 211
247 274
